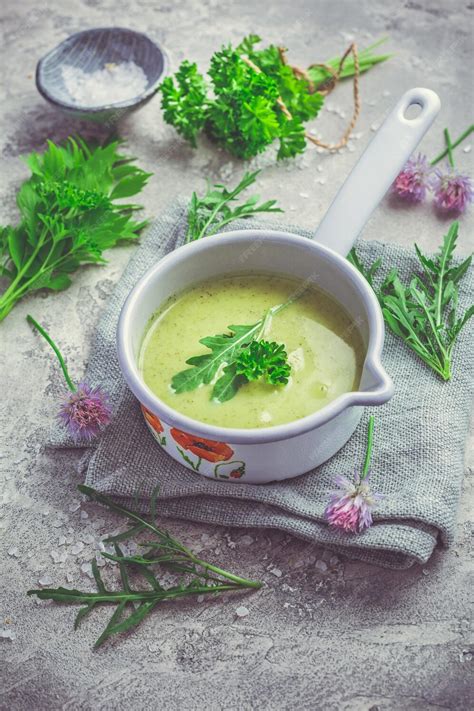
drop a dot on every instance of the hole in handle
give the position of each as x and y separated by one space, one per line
413 110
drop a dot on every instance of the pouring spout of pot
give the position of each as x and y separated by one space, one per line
376 386
376 169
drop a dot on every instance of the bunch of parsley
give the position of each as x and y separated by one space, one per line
240 108
68 216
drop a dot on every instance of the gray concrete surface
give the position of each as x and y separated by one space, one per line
353 637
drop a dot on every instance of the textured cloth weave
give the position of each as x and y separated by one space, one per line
419 438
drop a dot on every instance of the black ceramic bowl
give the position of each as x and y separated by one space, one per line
91 50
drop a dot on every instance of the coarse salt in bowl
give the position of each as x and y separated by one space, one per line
101 74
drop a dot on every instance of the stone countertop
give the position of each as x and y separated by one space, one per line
324 632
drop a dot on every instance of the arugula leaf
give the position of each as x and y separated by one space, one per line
241 108
264 359
423 314
193 575
221 363
208 214
68 216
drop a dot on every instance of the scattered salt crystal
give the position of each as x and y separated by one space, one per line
84 515
98 523
322 181
8 634
321 566
334 560
375 127
62 540
465 656
242 611
87 538
110 85
246 540
57 524
69 577
87 569
304 195
200 598
425 572
205 538
100 560
292 208
45 580
14 552
74 506
467 149
58 556
276 572
77 548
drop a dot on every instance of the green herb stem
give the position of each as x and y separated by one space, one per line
370 442
55 348
454 145
449 147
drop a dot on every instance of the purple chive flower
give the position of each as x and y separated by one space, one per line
85 411
452 192
414 180
350 507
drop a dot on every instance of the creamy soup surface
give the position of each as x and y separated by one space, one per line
324 349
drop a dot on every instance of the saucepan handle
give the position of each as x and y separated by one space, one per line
376 170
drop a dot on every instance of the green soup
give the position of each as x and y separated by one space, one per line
324 349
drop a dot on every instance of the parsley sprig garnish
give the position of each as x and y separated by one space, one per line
193 576
424 312
68 216
264 359
231 363
240 108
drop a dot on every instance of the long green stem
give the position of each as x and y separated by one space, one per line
96 496
65 595
449 147
6 294
370 442
58 353
456 143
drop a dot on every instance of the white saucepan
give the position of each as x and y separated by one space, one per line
283 451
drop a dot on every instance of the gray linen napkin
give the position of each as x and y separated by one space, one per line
419 441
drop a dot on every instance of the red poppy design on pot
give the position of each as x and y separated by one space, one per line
207 449
152 419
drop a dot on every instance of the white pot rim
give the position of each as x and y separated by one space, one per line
377 395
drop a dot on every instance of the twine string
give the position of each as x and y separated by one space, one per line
325 88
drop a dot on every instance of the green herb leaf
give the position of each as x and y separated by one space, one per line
221 362
208 214
240 109
423 313
68 216
193 575
264 359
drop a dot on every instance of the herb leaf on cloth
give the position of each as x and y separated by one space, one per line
423 313
209 213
